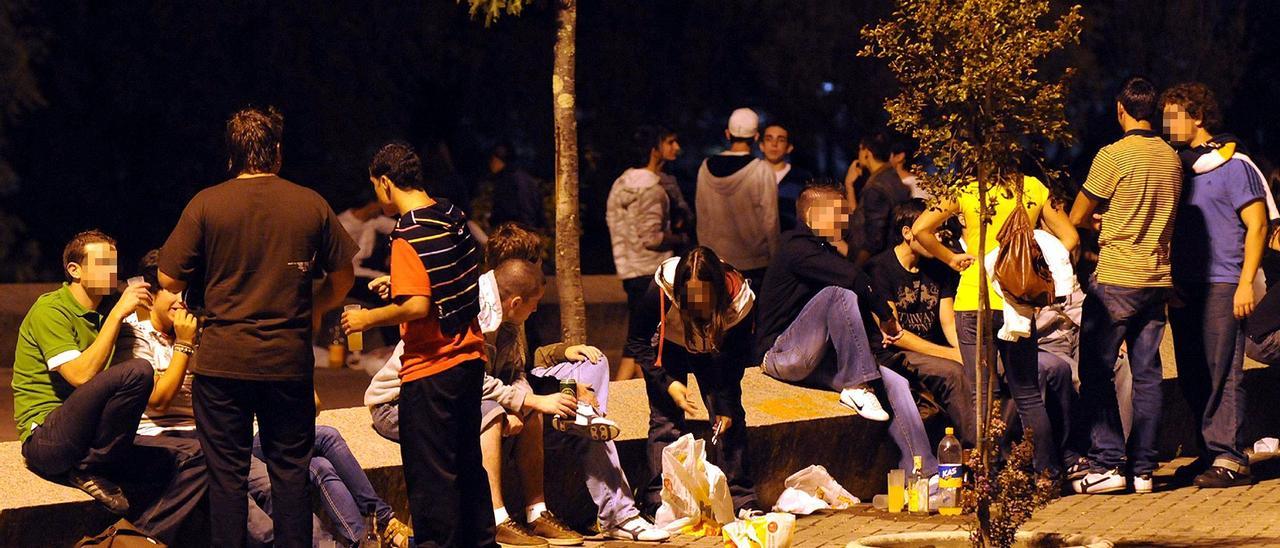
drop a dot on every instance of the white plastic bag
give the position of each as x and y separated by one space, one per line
795 501
695 493
806 488
773 530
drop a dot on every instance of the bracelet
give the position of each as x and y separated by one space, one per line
184 348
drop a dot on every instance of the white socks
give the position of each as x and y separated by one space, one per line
535 511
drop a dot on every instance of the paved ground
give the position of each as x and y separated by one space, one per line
1187 516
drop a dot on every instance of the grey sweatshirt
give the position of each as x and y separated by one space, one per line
738 214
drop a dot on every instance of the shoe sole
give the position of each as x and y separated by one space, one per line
594 432
505 545
565 542
1225 485
1078 487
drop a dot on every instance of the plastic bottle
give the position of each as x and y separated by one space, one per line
371 537
950 475
918 488
337 348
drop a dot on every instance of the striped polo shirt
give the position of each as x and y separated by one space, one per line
1139 178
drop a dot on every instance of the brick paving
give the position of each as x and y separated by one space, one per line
1169 518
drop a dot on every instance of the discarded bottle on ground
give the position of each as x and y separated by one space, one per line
950 477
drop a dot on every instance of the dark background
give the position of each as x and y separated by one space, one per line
111 113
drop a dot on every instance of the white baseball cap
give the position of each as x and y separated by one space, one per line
743 123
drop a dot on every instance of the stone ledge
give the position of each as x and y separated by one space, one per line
789 428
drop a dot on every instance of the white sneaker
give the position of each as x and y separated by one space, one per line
588 424
864 403
1095 483
1143 484
638 529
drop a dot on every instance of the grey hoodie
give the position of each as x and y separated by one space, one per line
639 216
738 214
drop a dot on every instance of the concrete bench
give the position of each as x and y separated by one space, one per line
789 428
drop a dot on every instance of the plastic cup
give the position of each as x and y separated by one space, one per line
880 502
136 280
897 495
355 341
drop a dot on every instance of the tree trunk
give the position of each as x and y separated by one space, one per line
573 309
983 363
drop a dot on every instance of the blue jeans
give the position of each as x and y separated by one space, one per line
1113 315
1208 343
343 486
1021 375
802 354
1059 393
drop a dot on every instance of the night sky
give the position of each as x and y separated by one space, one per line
132 96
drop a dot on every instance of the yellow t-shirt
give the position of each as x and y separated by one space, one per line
1034 196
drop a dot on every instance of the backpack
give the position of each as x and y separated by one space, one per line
1021 270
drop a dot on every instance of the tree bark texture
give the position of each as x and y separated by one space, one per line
573 310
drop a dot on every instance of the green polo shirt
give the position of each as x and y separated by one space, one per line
56 330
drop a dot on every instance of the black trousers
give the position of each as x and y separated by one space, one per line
947 381
286 412
440 448
635 289
94 430
667 421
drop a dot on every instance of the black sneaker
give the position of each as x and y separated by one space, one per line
102 490
1217 477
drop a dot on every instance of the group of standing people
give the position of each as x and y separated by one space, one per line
873 293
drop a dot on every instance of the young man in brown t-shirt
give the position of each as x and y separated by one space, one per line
257 241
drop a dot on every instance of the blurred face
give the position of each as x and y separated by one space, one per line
518 309
698 294
669 148
828 218
166 305
1178 125
98 272
776 144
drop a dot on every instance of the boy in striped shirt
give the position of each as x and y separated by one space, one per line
1136 181
435 299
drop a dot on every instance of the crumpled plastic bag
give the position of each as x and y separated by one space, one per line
695 493
773 530
1266 445
813 489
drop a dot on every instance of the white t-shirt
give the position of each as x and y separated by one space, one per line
782 173
366 234
139 339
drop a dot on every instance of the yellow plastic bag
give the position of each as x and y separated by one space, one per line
772 530
695 493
